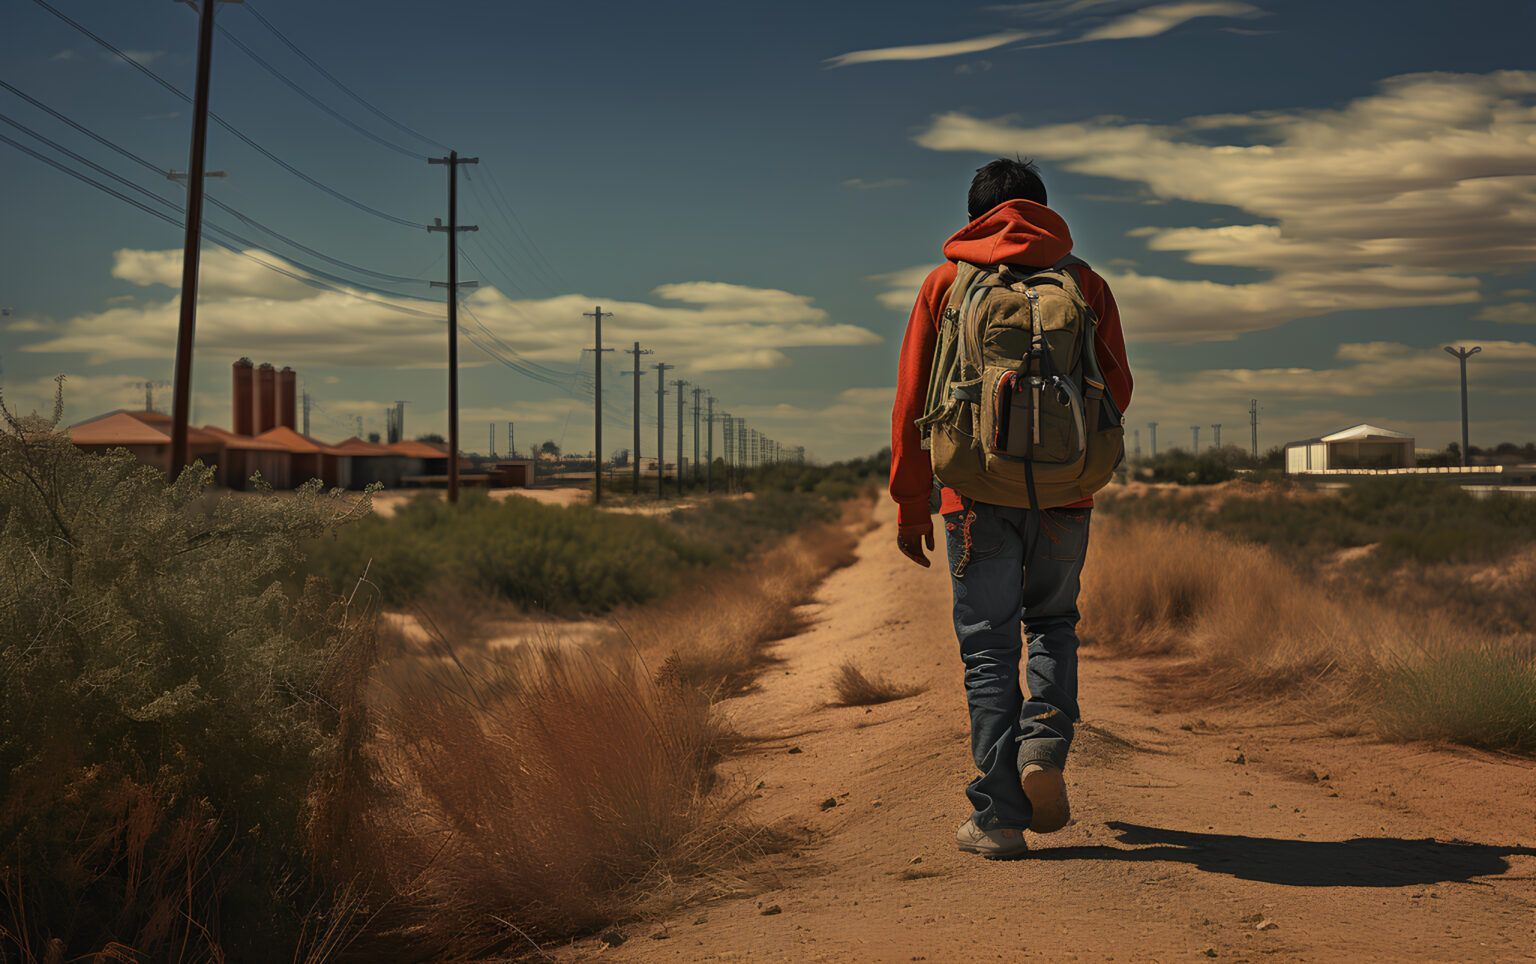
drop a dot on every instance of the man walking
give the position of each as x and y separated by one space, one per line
1010 391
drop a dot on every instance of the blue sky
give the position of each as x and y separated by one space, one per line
1296 201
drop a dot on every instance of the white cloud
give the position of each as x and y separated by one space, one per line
1512 313
1397 198
1156 20
141 57
856 422
245 309
954 48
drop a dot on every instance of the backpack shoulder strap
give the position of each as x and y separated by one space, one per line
1073 264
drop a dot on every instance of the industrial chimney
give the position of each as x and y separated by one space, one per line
244 422
287 386
266 398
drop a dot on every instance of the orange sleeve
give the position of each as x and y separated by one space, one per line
911 469
1110 340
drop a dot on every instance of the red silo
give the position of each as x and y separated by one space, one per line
287 386
244 421
266 398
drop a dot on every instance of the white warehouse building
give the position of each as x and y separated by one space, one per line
1359 447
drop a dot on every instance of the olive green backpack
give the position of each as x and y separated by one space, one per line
1018 413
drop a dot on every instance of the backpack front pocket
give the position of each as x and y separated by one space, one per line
1035 418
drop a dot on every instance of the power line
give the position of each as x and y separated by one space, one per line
150 166
251 8
314 282
226 125
299 89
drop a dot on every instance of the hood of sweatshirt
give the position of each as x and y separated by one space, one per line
1014 232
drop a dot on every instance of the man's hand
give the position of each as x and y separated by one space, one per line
911 539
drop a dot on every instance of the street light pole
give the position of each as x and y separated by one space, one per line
1461 355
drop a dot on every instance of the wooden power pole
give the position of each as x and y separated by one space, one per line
597 315
661 426
681 398
636 373
709 447
197 166
453 160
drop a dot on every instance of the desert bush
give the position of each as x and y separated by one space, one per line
178 733
1482 696
1408 520
1183 467
713 636
1246 623
560 559
544 792
854 687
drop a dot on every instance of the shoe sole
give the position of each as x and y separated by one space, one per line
995 854
1047 792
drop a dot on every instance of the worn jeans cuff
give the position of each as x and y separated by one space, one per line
1049 750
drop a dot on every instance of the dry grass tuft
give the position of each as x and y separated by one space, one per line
714 635
546 791
856 688
1246 623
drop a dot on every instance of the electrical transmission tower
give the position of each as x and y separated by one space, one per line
709 447
493 440
1152 430
682 397
1216 430
727 453
511 449
597 315
452 229
636 373
1195 434
661 426
1253 425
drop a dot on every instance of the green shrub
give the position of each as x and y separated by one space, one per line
176 730
1477 697
1408 520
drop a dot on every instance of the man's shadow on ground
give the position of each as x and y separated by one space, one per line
1359 862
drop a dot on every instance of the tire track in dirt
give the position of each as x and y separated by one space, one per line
1236 833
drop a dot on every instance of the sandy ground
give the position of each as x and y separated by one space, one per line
1238 833
385 503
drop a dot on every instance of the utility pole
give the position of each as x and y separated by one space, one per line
1253 425
511 449
359 426
681 398
741 444
696 393
709 447
1461 355
661 426
596 314
493 439
1216 428
197 168
637 372
453 160
1152 428
727 436
306 413
1195 433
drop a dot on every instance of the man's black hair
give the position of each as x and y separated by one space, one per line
1004 180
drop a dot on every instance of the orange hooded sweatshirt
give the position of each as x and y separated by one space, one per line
1014 232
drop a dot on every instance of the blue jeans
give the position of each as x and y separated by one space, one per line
1022 572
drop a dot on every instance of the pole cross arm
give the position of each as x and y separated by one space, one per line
453 160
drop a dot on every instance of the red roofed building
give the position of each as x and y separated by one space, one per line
145 434
311 459
245 456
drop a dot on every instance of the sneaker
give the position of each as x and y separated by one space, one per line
1047 793
1001 843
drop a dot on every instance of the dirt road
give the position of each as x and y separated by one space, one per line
1238 833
